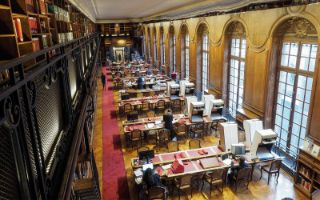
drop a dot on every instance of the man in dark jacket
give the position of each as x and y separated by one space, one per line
103 81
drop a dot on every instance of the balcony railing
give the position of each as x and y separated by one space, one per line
46 104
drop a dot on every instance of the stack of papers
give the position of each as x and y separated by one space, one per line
227 161
138 172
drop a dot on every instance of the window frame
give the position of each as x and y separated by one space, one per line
297 72
205 81
236 95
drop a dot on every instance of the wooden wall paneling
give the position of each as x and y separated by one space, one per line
314 122
261 59
255 81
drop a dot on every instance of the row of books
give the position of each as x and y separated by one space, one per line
84 170
36 42
306 184
61 14
65 37
32 8
305 171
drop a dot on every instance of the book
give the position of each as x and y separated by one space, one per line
33 24
44 41
209 162
42 6
35 44
30 6
18 28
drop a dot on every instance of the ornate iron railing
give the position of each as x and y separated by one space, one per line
46 98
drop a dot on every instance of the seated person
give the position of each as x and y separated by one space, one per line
149 71
151 179
235 169
140 82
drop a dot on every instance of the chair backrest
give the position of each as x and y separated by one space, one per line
161 103
185 180
163 134
172 146
194 144
244 174
145 105
157 192
217 174
127 107
136 134
179 128
150 114
197 127
275 165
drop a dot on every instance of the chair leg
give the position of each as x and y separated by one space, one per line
260 173
278 176
210 189
269 178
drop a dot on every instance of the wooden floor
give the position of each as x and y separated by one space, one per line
258 189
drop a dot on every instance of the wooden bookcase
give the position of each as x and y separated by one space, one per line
27 26
307 178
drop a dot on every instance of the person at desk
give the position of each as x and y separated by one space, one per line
235 169
151 179
149 71
140 82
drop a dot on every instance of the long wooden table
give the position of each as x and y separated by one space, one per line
167 158
154 123
191 161
139 100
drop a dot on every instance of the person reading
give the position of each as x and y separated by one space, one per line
151 179
236 169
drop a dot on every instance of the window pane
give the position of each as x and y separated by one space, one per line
292 61
304 62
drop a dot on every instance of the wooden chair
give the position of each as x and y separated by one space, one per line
273 168
127 108
243 176
197 130
150 114
157 193
194 144
183 183
144 107
215 179
163 137
180 131
176 105
136 137
173 146
160 106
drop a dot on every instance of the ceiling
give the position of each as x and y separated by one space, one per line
104 11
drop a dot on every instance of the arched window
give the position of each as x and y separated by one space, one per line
162 47
185 53
149 45
155 52
172 50
236 68
295 73
203 58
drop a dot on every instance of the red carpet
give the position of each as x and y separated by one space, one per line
114 179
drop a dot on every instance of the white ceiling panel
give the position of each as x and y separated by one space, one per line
140 10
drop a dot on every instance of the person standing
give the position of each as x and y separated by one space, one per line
103 80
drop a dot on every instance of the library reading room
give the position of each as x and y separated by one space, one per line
159 99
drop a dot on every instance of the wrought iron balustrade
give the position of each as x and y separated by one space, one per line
46 102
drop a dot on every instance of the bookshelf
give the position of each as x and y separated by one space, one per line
27 26
307 178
